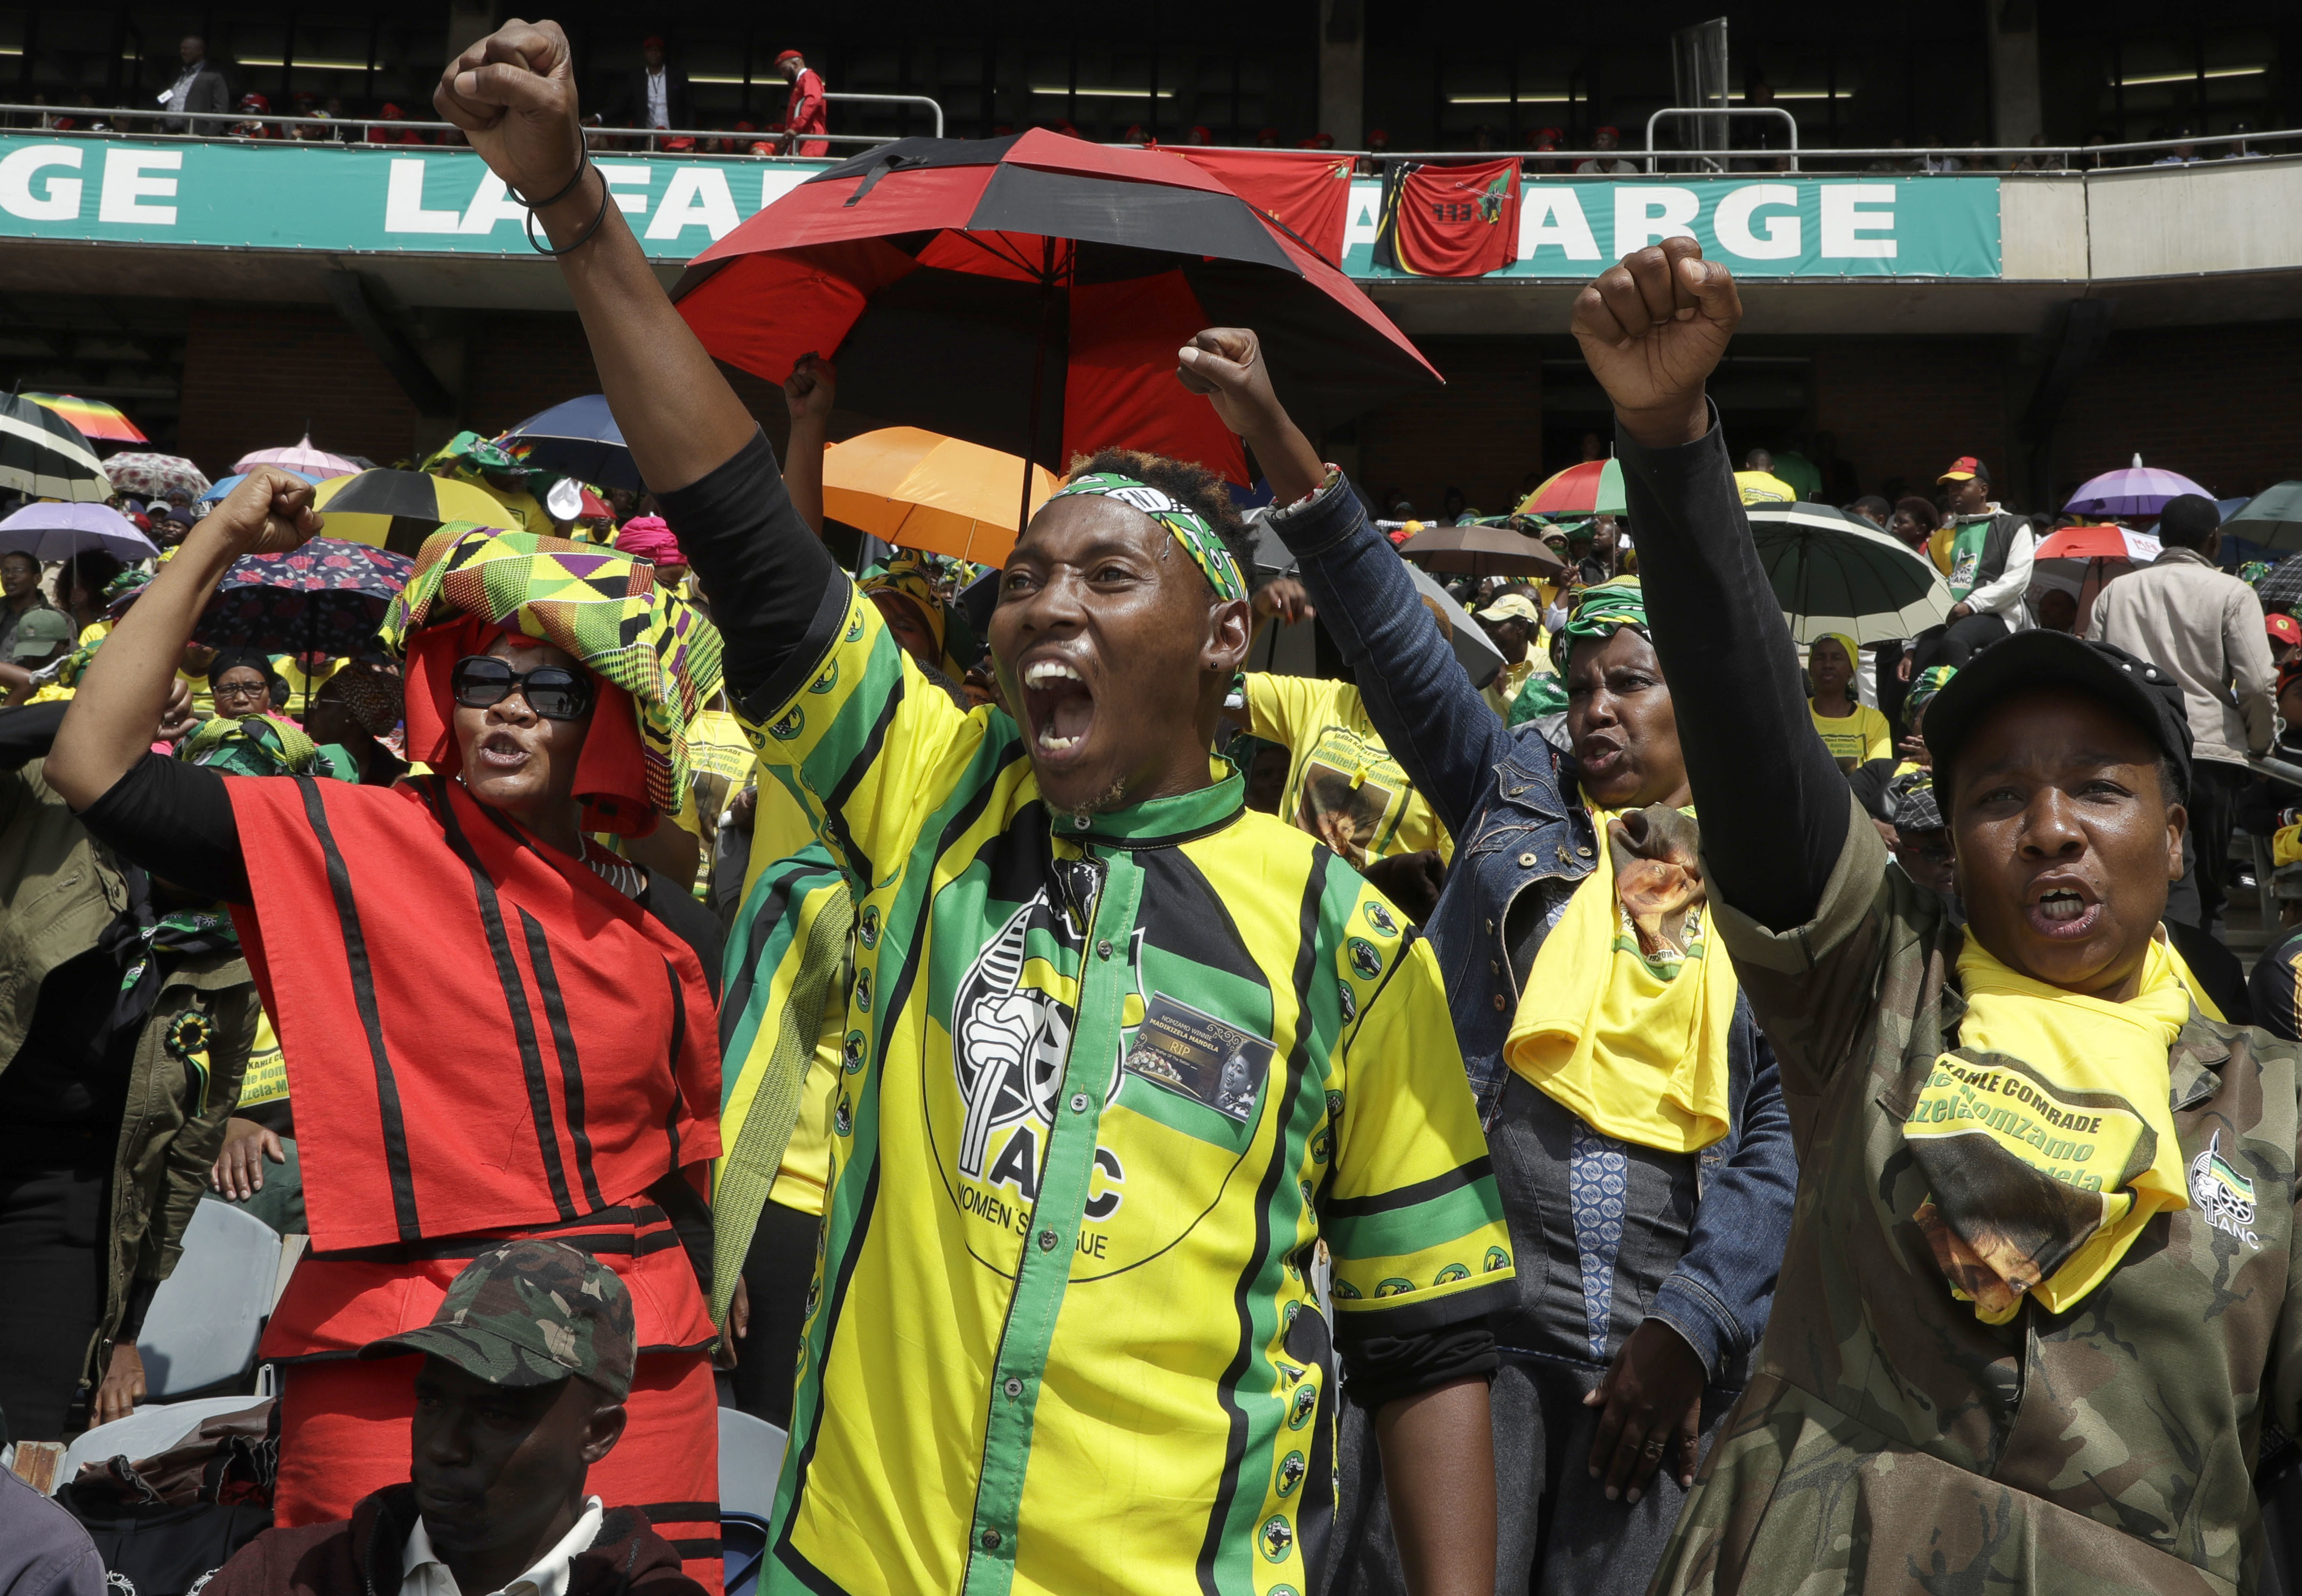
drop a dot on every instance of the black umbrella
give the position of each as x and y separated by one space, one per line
43 456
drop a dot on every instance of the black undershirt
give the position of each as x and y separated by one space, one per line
1772 800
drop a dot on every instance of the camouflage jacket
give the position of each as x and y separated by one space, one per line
1890 1439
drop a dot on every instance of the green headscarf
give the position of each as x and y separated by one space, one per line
1190 528
1923 688
1537 696
261 746
1600 613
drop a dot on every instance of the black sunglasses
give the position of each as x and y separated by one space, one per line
552 691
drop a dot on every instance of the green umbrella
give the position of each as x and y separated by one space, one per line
2272 517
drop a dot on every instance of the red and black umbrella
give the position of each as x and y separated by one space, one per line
1029 293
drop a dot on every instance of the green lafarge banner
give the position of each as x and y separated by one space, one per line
265 195
1775 226
261 194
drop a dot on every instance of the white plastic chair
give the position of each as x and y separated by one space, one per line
146 1433
751 1456
205 1320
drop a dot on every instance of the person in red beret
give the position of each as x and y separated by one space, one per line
805 112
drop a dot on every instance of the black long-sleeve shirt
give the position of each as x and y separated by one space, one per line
1773 802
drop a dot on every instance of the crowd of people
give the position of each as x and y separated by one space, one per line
1671 1114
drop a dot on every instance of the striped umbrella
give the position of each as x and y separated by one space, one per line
399 509
93 418
1835 572
303 458
1593 488
43 456
156 476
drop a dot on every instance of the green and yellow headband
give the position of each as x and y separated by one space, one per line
1190 528
1600 613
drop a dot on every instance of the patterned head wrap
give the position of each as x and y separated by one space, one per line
601 607
909 576
1600 613
471 450
2253 571
1190 528
1923 688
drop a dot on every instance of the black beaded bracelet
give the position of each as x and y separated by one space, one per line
582 239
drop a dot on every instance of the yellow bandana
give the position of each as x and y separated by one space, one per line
2048 1136
1626 1015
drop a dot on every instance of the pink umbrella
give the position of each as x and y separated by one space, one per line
2139 489
316 464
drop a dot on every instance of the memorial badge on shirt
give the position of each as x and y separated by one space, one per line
1199 1057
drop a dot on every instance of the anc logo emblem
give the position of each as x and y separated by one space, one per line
1381 919
867 928
1308 1200
1345 1291
814 1296
1350 1002
1278 1539
863 990
1321 1145
855 624
842 1121
1291 1470
853 1049
1394 1287
1497 1258
1365 959
828 680
793 721
1334 1105
1306 1403
1450 1274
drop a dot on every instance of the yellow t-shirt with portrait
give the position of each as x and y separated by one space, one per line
1342 785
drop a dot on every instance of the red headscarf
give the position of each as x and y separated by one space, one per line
610 773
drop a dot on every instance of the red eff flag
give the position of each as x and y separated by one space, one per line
1449 221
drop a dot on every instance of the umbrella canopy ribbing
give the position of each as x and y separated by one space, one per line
155 475
1835 572
49 532
91 418
300 457
399 509
43 456
2136 489
2272 517
919 489
1481 551
578 439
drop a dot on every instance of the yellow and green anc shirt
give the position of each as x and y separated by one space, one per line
1106 1083
1342 785
783 1020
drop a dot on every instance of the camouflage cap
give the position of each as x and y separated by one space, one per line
527 1313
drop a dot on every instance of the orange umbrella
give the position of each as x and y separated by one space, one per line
920 490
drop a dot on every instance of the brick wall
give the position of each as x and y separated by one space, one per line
1482 433
1908 407
254 376
2217 403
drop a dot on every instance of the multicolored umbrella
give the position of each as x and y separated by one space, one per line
1593 488
920 490
2137 489
91 418
216 491
327 597
43 456
1835 572
48 532
303 458
2078 560
579 439
157 476
399 509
